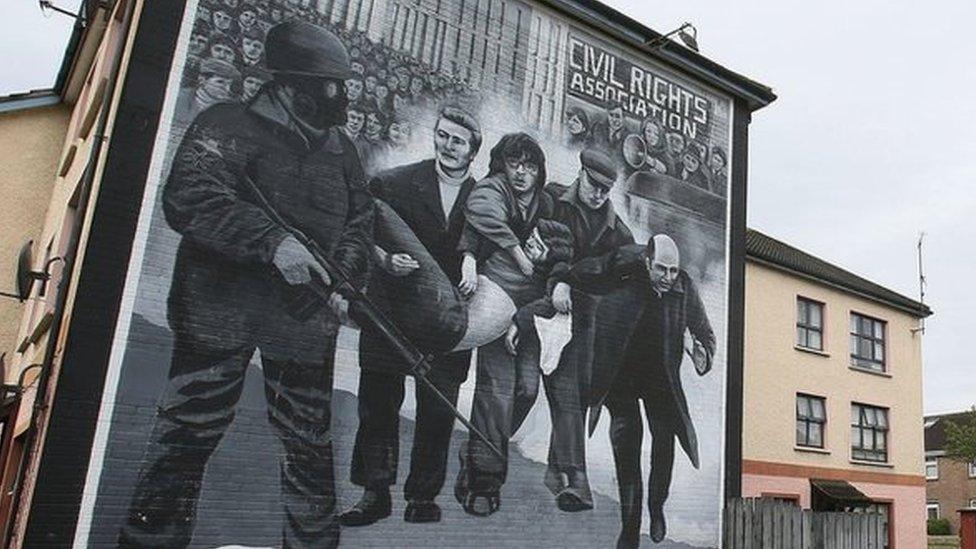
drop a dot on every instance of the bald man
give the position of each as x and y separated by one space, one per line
651 303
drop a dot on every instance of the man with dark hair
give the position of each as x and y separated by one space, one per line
675 149
717 171
254 79
639 347
609 134
354 88
501 216
223 22
239 278
247 17
223 48
429 196
200 39
691 166
252 48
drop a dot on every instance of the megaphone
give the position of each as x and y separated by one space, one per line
635 151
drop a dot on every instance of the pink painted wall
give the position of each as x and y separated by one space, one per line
907 503
754 486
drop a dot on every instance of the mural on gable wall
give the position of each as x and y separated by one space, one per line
419 273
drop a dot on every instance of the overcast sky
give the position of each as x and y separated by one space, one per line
871 141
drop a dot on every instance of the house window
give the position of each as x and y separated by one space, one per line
810 419
972 470
867 343
932 510
809 324
932 469
972 503
869 433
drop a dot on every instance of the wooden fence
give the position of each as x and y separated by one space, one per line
773 524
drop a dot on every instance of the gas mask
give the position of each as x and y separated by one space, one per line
318 102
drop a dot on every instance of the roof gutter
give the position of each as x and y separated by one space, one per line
638 35
79 54
917 313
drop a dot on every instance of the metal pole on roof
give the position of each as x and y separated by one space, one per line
921 286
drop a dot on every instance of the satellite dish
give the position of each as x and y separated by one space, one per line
25 275
25 280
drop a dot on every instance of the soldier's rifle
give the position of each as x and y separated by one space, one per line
365 312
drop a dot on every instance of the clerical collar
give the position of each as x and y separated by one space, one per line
447 179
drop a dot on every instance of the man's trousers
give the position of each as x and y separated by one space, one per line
381 392
626 436
194 413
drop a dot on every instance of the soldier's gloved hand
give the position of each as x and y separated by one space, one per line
562 298
340 306
296 264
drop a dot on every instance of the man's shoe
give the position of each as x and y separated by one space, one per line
569 501
659 527
373 506
420 511
570 497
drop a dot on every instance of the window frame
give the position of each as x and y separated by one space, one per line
806 326
930 505
810 421
971 469
868 363
935 462
875 429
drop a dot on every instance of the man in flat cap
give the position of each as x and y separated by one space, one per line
241 284
585 208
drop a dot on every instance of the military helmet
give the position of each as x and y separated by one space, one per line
297 47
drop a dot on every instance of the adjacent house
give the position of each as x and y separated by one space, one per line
949 485
832 390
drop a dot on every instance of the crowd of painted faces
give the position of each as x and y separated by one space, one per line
226 63
657 149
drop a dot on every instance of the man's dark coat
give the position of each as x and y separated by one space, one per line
225 286
607 235
414 194
619 316
422 300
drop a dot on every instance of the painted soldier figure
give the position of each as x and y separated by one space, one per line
237 280
584 207
429 196
639 347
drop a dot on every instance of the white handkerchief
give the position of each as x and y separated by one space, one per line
554 334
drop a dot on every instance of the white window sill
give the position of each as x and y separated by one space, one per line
882 464
871 372
811 350
811 450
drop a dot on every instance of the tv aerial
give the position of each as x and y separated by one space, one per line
920 329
